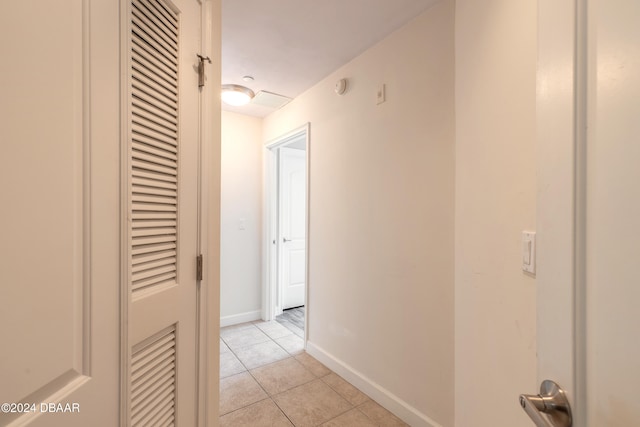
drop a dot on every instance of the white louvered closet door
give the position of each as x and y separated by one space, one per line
164 123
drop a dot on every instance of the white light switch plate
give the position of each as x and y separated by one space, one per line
529 251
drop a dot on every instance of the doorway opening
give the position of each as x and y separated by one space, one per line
286 230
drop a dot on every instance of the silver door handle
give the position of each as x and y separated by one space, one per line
552 402
285 240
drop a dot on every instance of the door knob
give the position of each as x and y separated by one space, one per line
550 408
285 240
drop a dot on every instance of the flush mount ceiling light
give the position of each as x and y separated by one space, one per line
236 95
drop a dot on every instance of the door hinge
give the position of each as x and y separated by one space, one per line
199 267
201 69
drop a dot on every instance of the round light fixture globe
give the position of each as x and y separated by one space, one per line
236 95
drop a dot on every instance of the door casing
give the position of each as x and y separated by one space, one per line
271 243
561 165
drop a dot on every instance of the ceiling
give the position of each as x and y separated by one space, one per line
289 45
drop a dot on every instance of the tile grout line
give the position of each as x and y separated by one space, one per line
269 396
247 371
244 407
283 413
254 378
290 356
298 386
315 377
269 339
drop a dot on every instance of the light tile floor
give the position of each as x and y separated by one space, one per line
266 379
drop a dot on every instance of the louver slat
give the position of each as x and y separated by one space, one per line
153 49
153 66
160 404
160 178
147 250
153 380
142 132
146 232
140 152
162 383
150 54
154 81
162 46
167 18
155 224
146 356
154 152
153 88
156 192
150 183
145 216
157 410
149 90
162 376
165 11
151 134
149 94
167 421
160 116
151 208
144 67
153 167
150 240
145 9
162 279
144 258
143 139
153 273
154 26
158 168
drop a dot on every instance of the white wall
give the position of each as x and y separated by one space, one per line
241 200
381 218
495 201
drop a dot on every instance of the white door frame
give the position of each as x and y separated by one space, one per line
561 164
209 211
271 243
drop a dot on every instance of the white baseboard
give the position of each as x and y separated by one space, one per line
384 397
235 319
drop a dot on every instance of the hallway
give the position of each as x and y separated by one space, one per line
267 379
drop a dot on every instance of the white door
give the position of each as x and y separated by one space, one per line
163 143
292 226
588 207
59 222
